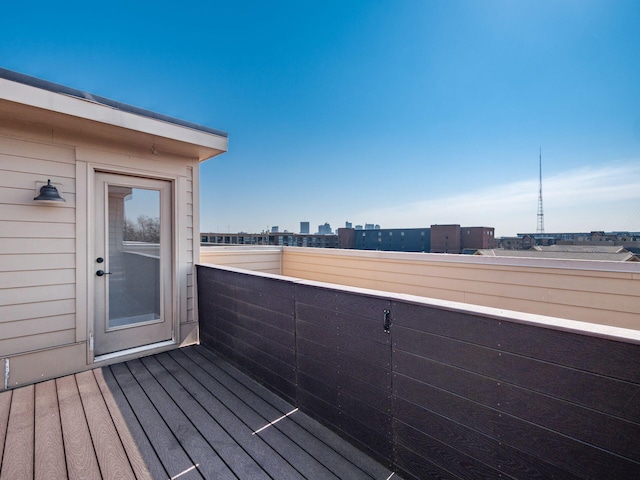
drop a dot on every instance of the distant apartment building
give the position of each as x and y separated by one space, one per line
235 238
387 239
304 228
285 239
436 239
275 229
348 225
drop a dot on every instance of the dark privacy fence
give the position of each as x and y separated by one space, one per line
444 394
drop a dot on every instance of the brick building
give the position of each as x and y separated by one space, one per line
474 238
445 239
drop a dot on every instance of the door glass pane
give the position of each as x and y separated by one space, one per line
134 256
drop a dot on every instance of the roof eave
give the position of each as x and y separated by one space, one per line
207 143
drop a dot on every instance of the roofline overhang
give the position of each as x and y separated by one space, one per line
35 93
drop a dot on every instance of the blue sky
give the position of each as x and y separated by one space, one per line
401 113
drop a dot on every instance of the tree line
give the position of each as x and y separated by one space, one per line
144 229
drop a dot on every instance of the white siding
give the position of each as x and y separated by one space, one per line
257 259
37 247
597 292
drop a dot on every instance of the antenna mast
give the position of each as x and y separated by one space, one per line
540 228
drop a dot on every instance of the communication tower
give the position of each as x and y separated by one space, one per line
540 228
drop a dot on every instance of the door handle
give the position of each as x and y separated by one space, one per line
102 272
387 321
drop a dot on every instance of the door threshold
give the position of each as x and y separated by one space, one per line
132 351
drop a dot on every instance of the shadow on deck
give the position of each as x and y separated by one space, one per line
181 414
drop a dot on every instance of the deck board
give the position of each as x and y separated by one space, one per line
165 444
247 416
143 457
18 451
346 450
181 414
49 447
112 458
133 454
80 455
5 408
196 448
239 462
264 405
253 411
264 454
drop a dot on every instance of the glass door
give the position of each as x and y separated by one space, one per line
132 266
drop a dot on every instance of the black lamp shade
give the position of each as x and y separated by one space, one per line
49 193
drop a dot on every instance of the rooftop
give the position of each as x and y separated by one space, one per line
579 253
580 248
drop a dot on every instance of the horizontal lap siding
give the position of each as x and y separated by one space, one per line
448 394
37 247
607 297
524 401
257 261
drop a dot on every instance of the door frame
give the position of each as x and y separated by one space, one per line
91 253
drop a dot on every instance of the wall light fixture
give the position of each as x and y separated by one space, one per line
49 194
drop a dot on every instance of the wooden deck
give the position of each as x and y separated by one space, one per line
183 414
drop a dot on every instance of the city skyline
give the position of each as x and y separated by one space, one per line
404 114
